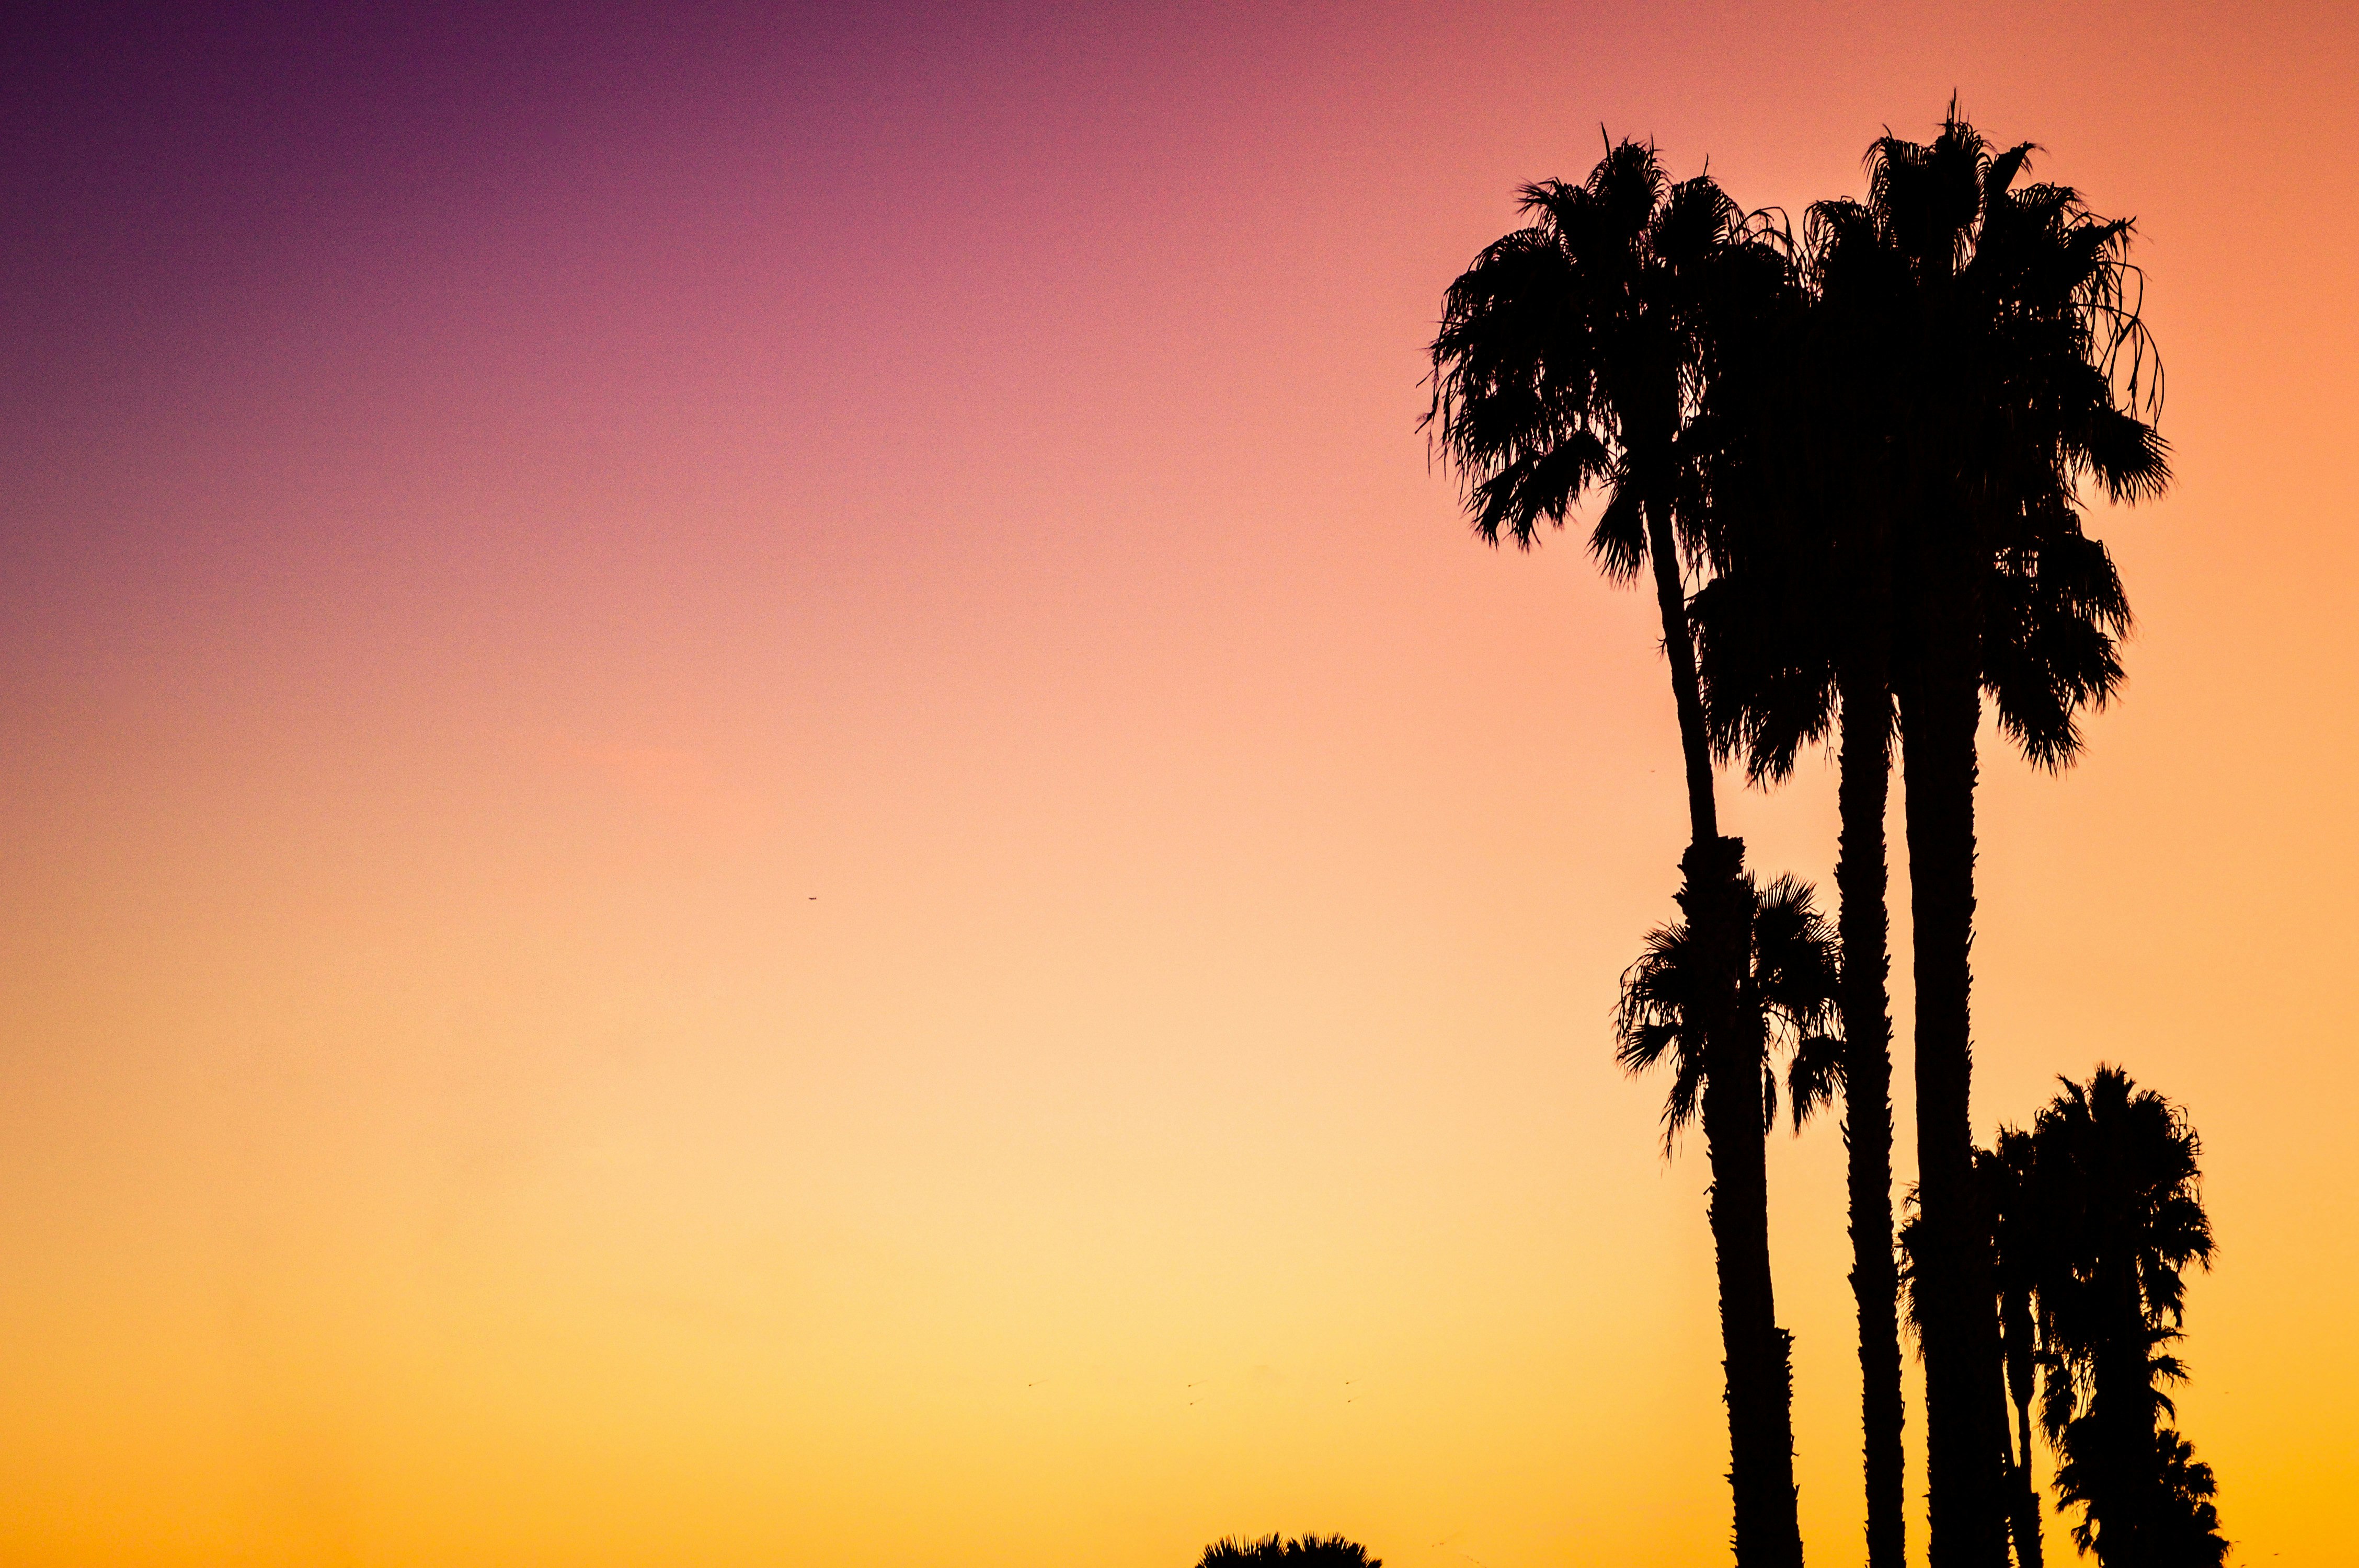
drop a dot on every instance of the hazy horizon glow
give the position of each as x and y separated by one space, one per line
758 807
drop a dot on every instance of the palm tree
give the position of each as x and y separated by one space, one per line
2117 1181
1580 352
2179 1527
1795 638
2009 353
2091 1218
1785 998
2187 1532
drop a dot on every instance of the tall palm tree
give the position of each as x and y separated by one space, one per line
1580 352
1794 641
2011 357
2118 1179
1797 636
1784 1002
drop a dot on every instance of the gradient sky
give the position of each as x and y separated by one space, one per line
757 808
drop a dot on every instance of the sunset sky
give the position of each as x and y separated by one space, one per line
756 806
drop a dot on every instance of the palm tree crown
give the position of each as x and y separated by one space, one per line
2122 1219
1786 999
1577 349
1961 355
1580 352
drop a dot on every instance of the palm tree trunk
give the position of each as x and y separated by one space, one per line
1941 706
1757 1362
2025 1524
1687 692
2125 1405
1758 1353
2019 1361
2116 1467
1861 878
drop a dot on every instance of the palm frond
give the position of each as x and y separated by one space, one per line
1814 1078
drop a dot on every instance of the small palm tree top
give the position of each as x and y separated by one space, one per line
1785 998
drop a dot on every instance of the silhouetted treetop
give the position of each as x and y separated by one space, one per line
1305 1551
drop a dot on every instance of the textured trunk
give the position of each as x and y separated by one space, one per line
1758 1360
2115 1476
2022 1498
1718 911
1679 648
2026 1521
1864 925
2124 1406
1941 705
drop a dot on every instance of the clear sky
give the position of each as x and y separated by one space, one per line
756 808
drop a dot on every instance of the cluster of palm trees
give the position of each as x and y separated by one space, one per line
1853 466
2092 1216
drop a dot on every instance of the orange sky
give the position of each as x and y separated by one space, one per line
759 810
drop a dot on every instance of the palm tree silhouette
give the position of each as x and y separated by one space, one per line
2186 1527
1581 351
1785 999
1274 1552
2010 353
2093 1218
1992 1189
2117 1182
1795 639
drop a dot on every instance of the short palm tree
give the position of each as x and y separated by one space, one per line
1785 1003
2186 1527
2117 1181
1581 352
